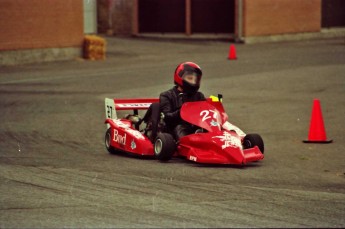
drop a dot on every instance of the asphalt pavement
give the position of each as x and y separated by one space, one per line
55 171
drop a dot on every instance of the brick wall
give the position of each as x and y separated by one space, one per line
102 16
272 17
31 24
121 16
260 17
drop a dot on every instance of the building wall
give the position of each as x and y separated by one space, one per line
272 17
115 16
122 16
102 16
90 16
37 24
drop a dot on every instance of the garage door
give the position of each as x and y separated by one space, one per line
169 16
213 16
333 13
162 16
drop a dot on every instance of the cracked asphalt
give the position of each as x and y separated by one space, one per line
55 171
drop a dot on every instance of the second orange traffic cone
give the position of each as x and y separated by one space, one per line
317 133
232 53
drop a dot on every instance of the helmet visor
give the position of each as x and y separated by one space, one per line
191 77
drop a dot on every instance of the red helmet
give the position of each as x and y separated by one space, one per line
188 68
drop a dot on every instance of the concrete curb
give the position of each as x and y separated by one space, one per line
28 56
324 34
182 36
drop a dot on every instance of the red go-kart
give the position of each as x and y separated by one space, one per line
217 141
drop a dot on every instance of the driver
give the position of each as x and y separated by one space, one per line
187 79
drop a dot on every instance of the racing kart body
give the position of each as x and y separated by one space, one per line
216 141
121 135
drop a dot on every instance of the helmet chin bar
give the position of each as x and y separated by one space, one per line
190 88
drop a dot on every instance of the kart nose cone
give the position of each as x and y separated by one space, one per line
213 148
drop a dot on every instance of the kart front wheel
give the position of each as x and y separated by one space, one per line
164 146
107 140
251 140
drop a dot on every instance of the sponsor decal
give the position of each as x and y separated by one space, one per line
229 140
134 105
214 123
228 126
121 139
192 158
128 129
133 145
121 124
135 133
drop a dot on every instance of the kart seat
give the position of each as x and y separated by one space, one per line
133 118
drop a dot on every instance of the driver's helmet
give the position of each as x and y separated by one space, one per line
188 76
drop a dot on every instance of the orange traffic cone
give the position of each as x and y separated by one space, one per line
317 133
232 53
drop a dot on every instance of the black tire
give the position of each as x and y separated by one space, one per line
164 146
107 140
251 140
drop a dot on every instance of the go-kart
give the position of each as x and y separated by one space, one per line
216 141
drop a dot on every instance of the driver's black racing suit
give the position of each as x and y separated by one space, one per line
170 105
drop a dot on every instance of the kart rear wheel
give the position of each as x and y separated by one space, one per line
164 146
107 140
251 140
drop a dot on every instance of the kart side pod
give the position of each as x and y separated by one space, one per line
122 137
